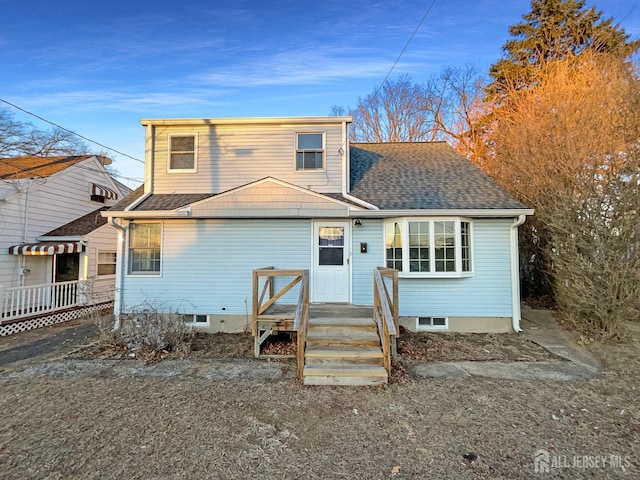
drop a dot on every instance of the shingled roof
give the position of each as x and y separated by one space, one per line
425 175
80 226
16 168
159 201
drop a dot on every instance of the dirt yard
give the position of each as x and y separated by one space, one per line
96 427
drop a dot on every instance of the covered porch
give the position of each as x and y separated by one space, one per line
34 306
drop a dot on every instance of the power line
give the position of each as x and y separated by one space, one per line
404 48
71 131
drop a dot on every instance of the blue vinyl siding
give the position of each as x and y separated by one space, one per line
365 263
486 294
207 265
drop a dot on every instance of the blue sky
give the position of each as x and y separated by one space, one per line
97 68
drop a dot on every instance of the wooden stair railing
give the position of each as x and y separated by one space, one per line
301 321
263 324
385 312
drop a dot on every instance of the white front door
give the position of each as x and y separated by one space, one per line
331 249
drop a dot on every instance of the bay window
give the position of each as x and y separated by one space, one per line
429 247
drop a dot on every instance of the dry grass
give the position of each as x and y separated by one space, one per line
444 347
190 427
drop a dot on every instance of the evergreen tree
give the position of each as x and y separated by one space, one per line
554 30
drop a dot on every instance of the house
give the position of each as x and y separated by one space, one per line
225 197
54 239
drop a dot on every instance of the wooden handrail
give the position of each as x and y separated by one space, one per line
301 321
385 311
265 298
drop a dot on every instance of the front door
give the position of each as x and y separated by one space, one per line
330 279
66 267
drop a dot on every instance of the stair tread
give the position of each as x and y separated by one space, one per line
345 370
341 321
355 334
370 352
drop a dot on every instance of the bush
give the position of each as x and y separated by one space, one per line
152 333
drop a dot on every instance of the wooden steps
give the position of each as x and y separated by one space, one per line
343 351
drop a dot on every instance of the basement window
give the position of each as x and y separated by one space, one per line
432 323
196 320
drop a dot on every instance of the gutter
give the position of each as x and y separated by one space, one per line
475 213
515 273
346 173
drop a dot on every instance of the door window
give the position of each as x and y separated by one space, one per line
331 246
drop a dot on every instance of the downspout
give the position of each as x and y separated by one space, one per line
117 293
346 172
515 273
22 264
120 252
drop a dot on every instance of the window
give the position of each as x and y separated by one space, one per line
196 320
309 151
331 246
393 243
144 248
432 323
182 153
98 198
439 248
106 263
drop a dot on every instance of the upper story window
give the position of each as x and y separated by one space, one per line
429 248
309 151
145 242
182 153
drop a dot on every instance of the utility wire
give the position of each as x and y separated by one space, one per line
70 131
404 49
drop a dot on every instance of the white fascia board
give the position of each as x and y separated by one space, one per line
146 214
245 121
476 213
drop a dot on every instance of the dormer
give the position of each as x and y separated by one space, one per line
217 155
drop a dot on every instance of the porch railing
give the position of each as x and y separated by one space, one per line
19 302
301 321
385 311
264 297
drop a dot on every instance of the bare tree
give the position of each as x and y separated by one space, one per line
394 113
20 138
568 146
448 107
456 104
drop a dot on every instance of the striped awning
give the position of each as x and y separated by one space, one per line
46 248
103 191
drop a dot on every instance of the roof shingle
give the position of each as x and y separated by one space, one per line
80 226
425 175
30 167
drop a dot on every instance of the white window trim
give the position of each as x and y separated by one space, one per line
195 153
405 273
295 150
128 253
432 327
108 275
193 322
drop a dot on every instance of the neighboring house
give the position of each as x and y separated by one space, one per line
223 197
52 233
